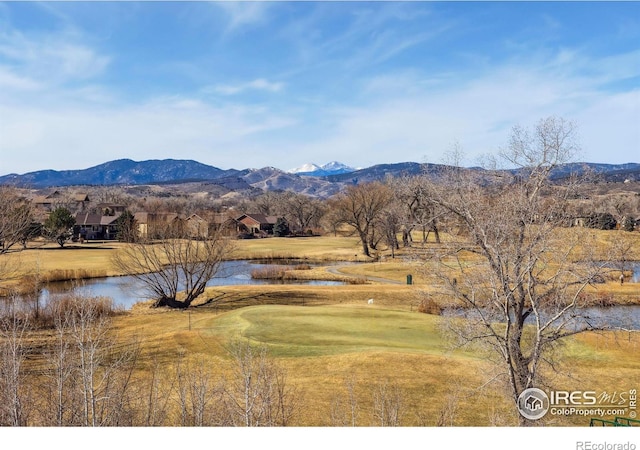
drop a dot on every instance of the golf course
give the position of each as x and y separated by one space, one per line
365 353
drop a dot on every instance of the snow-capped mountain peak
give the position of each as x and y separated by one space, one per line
331 168
336 166
309 167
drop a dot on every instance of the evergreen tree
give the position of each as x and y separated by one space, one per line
127 227
281 227
59 225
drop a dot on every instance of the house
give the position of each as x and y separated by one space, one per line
96 226
156 225
256 224
49 201
77 202
80 201
196 227
223 223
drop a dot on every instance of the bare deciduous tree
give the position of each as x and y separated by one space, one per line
88 329
517 274
389 225
387 405
59 379
10 269
342 415
15 218
419 210
360 207
13 352
174 270
85 378
197 393
155 397
258 394
302 211
621 252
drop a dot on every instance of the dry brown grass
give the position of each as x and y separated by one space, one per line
438 386
425 379
319 248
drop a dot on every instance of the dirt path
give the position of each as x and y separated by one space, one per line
336 271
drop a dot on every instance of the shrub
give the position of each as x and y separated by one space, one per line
357 280
628 224
269 273
429 306
75 305
602 221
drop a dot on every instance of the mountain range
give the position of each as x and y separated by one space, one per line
310 179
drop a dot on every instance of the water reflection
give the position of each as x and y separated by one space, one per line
625 317
125 291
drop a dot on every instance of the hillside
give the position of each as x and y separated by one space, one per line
172 171
121 171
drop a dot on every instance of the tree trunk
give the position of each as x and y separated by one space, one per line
365 246
171 303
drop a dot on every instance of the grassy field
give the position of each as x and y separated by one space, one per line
326 336
324 346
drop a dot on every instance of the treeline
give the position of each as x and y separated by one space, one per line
375 211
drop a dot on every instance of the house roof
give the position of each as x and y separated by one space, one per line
80 197
56 195
40 199
95 219
259 218
47 198
222 218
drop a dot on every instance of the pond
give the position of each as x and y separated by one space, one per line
125 291
635 267
625 317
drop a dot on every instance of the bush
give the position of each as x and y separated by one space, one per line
628 224
429 306
269 273
357 280
602 221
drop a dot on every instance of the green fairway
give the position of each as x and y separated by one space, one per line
330 330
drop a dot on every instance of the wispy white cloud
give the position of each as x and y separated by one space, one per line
259 84
406 117
159 128
51 59
328 85
242 14
11 81
363 34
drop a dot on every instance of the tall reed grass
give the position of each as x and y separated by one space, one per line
39 316
278 272
73 274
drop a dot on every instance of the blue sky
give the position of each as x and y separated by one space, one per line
254 84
